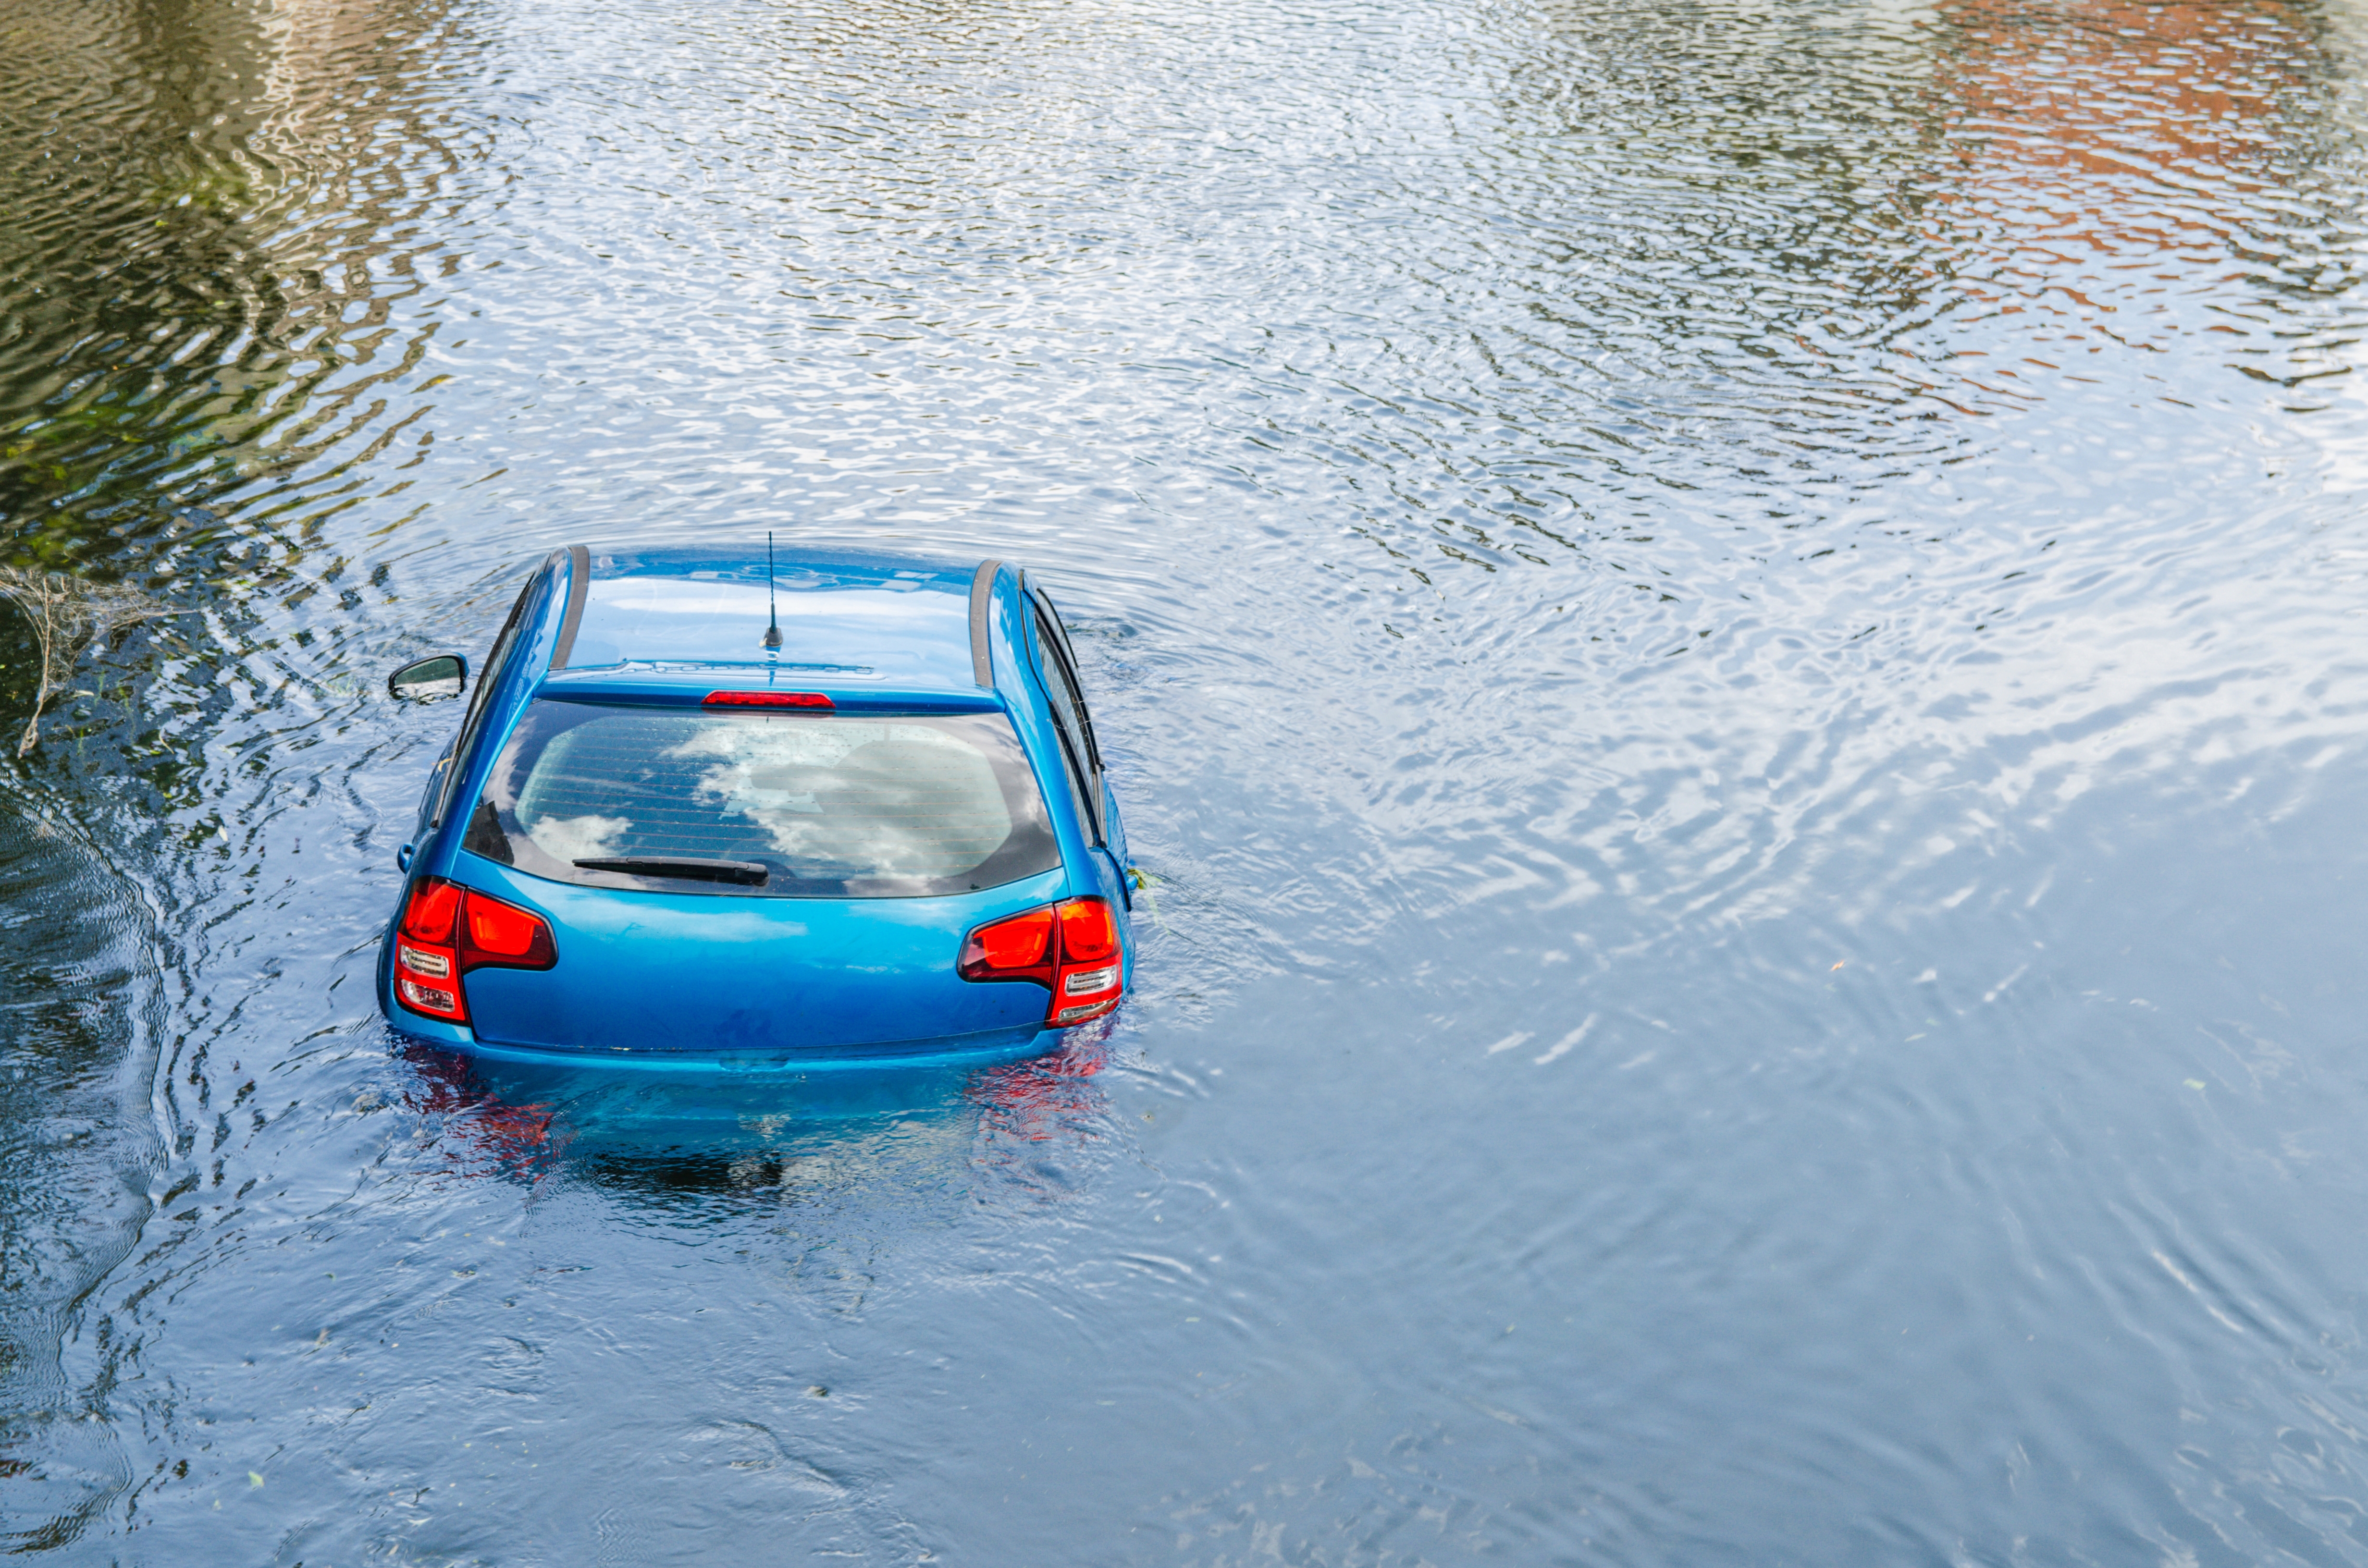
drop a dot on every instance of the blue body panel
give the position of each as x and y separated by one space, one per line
700 980
650 972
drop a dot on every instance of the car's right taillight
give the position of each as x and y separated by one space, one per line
1070 948
447 930
1090 961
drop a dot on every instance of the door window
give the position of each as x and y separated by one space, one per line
475 720
1049 620
1068 714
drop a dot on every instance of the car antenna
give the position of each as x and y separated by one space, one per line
772 610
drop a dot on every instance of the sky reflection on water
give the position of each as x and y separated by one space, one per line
1733 632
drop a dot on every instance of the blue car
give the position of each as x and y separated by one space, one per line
707 807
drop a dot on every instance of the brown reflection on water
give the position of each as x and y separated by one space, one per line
2110 166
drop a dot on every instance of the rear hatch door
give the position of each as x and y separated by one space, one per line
741 876
652 971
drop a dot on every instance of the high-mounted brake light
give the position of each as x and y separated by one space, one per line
447 930
767 700
1070 948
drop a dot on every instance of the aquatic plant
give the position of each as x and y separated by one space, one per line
68 614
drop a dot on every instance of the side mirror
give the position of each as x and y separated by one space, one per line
427 679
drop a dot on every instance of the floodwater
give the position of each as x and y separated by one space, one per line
1733 632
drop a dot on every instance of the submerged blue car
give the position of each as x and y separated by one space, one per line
705 807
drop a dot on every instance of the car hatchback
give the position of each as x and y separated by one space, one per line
705 806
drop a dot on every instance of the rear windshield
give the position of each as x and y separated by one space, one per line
803 805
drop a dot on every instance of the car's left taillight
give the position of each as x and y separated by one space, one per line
447 930
1071 948
428 951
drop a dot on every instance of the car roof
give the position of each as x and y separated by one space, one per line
661 616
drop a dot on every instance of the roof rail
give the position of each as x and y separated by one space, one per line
580 579
982 590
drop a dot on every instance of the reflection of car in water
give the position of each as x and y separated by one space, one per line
724 1129
704 811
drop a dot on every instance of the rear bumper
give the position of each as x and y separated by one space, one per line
962 1051
1016 1033
982 1049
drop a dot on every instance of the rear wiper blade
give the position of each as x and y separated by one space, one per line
746 873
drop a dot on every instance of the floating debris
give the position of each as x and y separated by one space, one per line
68 615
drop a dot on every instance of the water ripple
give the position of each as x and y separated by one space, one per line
1728 633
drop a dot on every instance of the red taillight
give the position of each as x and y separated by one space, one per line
1071 949
430 914
766 699
1088 932
1010 950
506 935
447 930
427 954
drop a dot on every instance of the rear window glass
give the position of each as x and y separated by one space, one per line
811 805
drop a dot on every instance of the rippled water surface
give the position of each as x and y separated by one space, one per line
1733 632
